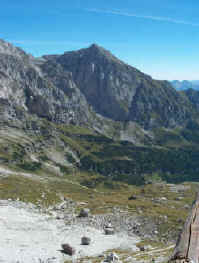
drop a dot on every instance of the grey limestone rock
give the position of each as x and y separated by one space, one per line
85 240
84 212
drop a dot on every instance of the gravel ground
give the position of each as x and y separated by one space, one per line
26 235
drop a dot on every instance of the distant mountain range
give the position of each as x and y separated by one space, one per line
185 84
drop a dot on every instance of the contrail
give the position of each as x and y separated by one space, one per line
156 18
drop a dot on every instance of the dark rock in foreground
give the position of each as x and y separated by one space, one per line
67 249
187 247
109 230
86 241
132 197
84 212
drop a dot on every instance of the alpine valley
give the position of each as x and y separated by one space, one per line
89 111
84 129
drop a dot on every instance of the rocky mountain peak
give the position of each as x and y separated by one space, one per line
98 51
95 46
93 53
8 49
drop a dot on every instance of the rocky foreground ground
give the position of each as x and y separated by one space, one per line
27 235
31 235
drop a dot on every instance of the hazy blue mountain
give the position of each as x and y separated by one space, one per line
185 84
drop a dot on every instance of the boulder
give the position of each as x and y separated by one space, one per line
86 241
132 197
142 248
67 249
84 212
112 257
109 231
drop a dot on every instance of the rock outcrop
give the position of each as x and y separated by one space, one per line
187 247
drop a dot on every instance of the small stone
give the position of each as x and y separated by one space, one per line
132 197
142 248
67 249
178 198
86 241
109 231
84 212
59 216
109 225
163 198
112 257
82 203
186 207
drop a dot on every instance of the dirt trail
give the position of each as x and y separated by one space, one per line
154 250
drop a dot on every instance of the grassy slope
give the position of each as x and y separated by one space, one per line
172 157
102 193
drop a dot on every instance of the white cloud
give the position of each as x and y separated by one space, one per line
156 18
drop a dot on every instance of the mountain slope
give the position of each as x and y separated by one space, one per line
121 92
24 86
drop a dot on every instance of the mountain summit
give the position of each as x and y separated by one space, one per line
120 92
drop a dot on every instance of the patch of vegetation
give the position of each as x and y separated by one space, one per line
30 166
43 158
27 190
74 130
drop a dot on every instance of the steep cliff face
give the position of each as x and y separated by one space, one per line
23 84
193 96
106 82
157 104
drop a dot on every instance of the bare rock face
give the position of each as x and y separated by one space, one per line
7 48
121 92
187 247
39 87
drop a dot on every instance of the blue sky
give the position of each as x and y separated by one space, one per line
161 38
